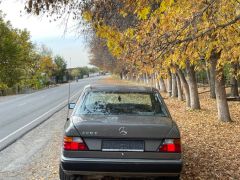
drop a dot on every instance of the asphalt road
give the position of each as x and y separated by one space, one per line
20 114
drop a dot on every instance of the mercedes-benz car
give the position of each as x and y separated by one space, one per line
120 131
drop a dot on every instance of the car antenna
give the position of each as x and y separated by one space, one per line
69 92
69 88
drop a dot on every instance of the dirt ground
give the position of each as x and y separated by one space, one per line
211 149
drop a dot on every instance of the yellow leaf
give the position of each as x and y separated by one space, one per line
143 13
87 16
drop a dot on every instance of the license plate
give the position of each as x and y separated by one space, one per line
122 145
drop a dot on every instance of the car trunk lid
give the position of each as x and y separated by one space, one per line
122 126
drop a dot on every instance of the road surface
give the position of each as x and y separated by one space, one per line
20 114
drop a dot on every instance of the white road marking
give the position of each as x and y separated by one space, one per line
37 118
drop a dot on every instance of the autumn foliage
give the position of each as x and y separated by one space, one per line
153 40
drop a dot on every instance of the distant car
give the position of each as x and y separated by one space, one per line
120 131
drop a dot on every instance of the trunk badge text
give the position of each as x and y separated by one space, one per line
89 133
122 131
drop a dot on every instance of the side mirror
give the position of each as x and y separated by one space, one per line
71 105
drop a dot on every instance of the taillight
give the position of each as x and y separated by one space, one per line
74 144
171 146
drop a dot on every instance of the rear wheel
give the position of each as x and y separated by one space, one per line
175 178
64 176
168 178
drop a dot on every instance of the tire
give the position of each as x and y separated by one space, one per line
168 178
64 176
174 178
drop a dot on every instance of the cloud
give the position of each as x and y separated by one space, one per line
39 26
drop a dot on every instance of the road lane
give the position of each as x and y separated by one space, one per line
21 114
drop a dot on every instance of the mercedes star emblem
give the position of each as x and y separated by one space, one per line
123 131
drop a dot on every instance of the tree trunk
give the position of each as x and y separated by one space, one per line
162 85
212 75
179 88
138 78
234 87
185 87
127 77
174 86
121 75
169 83
130 77
234 82
157 83
152 80
208 75
147 78
222 105
193 89
143 79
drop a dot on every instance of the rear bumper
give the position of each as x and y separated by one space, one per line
126 167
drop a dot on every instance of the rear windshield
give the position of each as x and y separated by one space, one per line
121 103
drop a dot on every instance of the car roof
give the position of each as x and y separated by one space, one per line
119 88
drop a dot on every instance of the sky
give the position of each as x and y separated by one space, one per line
71 47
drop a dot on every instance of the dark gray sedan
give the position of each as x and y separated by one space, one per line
123 131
